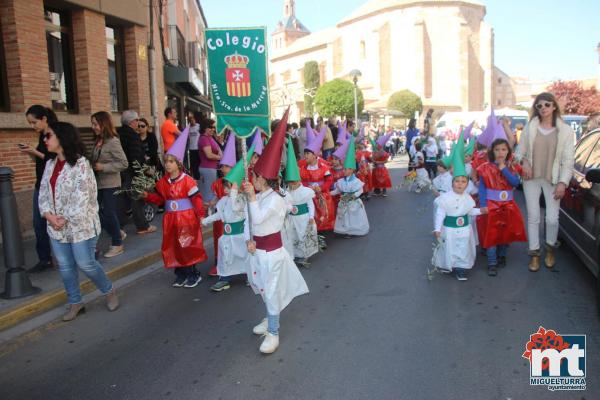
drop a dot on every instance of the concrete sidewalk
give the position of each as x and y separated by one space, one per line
140 251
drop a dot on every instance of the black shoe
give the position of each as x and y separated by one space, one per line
40 267
461 274
179 281
492 270
502 261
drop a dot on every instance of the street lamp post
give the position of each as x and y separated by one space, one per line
355 74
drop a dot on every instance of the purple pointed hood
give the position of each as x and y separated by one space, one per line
229 152
383 139
487 136
178 148
341 151
316 142
468 129
342 132
361 134
257 142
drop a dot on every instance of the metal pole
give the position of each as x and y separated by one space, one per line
355 105
152 71
17 283
245 161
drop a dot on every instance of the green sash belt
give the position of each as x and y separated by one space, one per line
299 209
456 222
234 228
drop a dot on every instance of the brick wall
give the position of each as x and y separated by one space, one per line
91 64
136 67
26 54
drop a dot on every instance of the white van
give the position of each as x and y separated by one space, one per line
452 121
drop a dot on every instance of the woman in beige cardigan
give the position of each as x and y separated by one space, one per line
546 150
108 160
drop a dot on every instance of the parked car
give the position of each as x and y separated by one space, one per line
579 220
576 122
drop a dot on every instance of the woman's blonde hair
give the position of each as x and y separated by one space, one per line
106 124
546 96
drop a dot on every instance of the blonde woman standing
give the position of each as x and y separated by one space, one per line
546 151
108 160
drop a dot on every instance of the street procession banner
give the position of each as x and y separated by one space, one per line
239 82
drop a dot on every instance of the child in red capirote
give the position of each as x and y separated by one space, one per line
182 246
503 223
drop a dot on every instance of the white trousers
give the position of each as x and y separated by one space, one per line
532 189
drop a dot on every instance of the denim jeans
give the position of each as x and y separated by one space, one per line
108 214
70 256
40 226
273 324
494 252
184 272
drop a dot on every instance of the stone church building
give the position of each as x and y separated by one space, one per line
442 50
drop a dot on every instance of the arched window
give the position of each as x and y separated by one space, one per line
363 50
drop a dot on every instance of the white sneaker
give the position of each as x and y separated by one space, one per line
269 344
114 251
261 328
123 235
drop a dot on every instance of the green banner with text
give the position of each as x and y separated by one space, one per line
239 82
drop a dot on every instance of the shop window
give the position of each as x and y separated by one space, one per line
4 103
116 68
60 61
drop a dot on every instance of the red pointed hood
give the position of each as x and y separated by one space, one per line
269 162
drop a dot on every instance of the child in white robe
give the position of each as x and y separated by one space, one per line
300 226
233 252
452 227
351 218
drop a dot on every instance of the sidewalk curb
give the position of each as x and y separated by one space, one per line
55 298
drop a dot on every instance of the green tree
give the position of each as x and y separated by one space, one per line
405 101
337 98
311 84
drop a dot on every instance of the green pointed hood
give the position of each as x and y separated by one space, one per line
470 147
350 161
458 158
373 144
292 173
237 173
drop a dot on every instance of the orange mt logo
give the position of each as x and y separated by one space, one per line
237 75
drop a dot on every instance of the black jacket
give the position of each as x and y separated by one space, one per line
132 145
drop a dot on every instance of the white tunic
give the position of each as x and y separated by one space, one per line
233 252
272 274
300 232
458 244
351 218
443 182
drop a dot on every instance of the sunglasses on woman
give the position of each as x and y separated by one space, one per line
544 104
141 126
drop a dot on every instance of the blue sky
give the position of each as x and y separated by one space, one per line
539 39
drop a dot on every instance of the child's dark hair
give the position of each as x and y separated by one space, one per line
495 143
274 184
70 141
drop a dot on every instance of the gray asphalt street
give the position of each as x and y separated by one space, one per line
373 327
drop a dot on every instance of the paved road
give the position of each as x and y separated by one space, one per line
372 327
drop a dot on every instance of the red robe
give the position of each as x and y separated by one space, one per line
363 158
503 224
182 232
381 176
219 191
479 158
324 205
337 174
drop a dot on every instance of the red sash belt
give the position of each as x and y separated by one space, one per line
268 243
